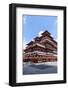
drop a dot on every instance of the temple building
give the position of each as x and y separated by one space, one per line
42 49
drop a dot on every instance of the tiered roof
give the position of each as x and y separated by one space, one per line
37 40
46 33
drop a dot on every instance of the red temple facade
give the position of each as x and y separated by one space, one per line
42 49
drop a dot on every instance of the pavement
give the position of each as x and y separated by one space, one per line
39 68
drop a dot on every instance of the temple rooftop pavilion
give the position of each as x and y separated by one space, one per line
42 49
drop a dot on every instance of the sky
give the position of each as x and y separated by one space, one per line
34 25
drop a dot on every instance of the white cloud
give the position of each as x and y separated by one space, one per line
24 44
55 39
25 18
32 40
40 33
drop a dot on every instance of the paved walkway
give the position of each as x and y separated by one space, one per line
40 68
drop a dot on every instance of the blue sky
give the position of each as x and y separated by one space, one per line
34 25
